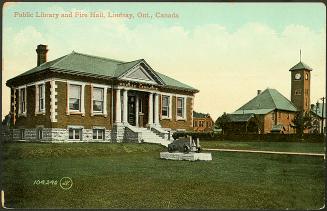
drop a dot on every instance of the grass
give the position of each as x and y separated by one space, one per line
133 176
267 146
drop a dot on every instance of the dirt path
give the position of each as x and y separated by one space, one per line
267 152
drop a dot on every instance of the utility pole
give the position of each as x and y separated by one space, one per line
322 114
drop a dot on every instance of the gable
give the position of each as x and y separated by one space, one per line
139 74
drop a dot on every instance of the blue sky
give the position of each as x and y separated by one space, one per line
232 15
210 45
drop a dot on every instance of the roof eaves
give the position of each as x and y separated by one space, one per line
74 72
185 89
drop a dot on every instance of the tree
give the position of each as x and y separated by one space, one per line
302 121
222 122
6 121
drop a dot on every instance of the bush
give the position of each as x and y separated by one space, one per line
252 137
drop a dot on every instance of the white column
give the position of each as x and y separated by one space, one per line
118 106
150 119
137 111
125 106
82 100
156 109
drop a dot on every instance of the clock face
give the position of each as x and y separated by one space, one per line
297 76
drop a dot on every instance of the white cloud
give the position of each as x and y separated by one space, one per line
227 67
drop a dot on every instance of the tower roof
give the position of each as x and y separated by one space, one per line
301 66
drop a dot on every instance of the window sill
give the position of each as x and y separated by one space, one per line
40 113
75 113
98 114
22 115
180 119
166 117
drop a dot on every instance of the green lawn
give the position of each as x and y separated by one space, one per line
133 176
266 146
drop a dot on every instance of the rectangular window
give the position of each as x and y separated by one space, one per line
41 97
140 105
165 106
98 97
22 134
39 133
75 97
180 107
22 100
98 134
298 92
75 133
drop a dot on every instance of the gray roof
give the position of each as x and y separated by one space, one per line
94 66
240 117
301 66
266 101
200 115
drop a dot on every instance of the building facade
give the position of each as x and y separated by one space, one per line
202 122
80 97
274 113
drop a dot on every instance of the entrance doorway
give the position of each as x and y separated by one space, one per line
131 110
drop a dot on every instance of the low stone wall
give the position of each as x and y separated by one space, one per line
131 136
53 135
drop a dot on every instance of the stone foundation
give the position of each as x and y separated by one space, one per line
118 131
118 134
56 135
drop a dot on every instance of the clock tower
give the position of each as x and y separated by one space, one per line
300 86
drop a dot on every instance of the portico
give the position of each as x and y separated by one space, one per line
137 108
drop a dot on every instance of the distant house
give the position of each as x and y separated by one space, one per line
202 122
270 111
318 117
242 123
80 97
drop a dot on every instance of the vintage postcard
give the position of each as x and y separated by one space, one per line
163 105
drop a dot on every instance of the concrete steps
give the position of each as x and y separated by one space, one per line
150 137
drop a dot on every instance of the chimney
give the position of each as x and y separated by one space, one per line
258 91
41 51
